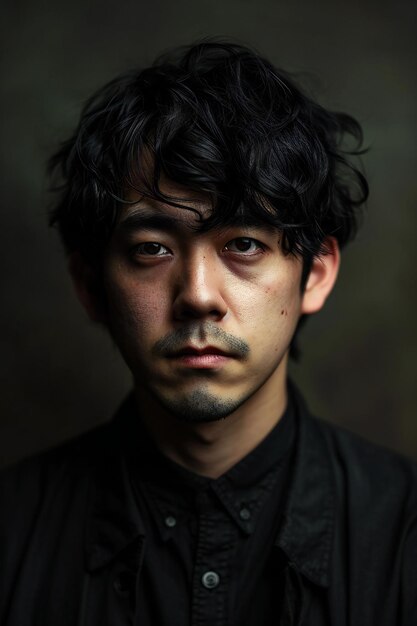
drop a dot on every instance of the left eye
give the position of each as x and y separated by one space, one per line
151 248
245 245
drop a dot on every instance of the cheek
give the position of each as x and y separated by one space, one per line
270 311
136 308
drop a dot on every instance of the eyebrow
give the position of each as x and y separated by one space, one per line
148 220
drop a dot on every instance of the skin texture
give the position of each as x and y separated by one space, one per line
169 288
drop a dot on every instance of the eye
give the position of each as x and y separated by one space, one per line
150 248
244 245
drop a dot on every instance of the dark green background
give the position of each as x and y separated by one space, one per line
60 374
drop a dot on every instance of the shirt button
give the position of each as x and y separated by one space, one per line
244 514
170 521
210 580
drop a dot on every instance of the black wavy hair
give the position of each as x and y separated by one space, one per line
217 118
220 119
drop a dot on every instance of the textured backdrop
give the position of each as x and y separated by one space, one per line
60 374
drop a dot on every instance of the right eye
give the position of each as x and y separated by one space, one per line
150 248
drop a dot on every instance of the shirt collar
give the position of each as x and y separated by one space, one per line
174 491
244 505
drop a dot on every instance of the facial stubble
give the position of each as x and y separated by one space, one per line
199 405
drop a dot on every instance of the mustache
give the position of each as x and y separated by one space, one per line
206 333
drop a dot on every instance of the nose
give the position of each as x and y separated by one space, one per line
198 290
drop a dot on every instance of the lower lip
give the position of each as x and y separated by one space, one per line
203 361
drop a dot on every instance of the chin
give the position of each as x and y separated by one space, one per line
199 406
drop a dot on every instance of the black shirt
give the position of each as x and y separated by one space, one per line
72 536
209 555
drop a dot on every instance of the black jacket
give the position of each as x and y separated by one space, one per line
71 534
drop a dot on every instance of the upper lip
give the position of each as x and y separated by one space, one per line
193 351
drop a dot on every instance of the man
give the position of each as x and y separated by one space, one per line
203 203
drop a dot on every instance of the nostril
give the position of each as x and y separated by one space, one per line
195 306
193 313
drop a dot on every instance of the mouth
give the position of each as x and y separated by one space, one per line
207 357
193 351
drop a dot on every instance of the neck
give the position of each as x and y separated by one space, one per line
212 448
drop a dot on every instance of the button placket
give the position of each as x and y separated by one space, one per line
210 585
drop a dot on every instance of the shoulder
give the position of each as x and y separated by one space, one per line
368 464
63 472
42 498
56 475
73 456
375 488
371 489
375 512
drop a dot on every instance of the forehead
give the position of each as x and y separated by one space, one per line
184 208
200 210
193 207
149 214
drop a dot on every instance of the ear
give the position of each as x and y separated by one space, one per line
322 277
87 287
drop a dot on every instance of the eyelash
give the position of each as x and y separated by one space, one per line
136 249
252 240
260 246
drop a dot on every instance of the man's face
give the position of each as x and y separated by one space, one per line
203 320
